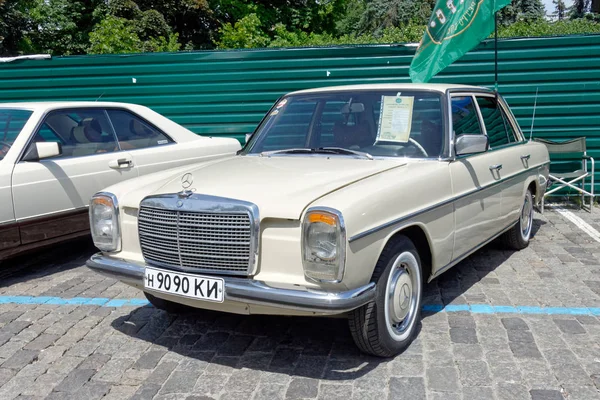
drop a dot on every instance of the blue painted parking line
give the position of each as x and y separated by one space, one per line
450 308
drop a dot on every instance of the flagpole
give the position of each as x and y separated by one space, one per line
496 51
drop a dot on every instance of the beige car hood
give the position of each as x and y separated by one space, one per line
281 186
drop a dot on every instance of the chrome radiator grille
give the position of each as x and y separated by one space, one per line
203 241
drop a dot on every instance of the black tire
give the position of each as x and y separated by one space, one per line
166 305
370 324
517 238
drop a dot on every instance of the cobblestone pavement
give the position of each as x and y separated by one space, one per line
65 350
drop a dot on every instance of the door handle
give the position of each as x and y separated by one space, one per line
120 163
496 167
525 157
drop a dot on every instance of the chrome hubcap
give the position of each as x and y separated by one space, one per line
402 295
526 217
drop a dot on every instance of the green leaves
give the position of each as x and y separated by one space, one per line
245 33
64 27
115 35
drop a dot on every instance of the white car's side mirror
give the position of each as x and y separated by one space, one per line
40 150
471 144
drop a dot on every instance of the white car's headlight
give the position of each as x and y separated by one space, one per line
323 245
104 221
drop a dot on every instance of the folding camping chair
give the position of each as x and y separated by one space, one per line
569 168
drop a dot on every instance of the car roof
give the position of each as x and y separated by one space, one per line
437 87
46 105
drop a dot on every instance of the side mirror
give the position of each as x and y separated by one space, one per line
40 150
247 137
471 144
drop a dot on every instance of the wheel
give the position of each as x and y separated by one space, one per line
387 325
518 236
166 305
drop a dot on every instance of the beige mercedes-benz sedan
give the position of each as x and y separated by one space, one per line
345 201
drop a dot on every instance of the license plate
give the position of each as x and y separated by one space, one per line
182 284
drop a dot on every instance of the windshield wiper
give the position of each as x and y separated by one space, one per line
341 150
288 151
320 150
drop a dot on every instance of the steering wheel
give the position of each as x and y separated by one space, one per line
418 146
3 145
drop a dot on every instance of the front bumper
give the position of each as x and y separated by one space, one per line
250 291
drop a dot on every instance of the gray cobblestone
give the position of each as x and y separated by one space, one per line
20 359
442 379
569 326
149 359
75 380
409 388
302 388
41 342
146 392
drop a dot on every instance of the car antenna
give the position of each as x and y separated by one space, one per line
533 117
100 96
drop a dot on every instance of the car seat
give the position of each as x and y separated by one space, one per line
139 136
352 136
87 136
431 138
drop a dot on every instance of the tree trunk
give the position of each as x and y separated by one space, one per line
596 6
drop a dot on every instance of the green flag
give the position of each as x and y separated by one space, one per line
455 27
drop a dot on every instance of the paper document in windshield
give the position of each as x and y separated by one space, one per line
395 118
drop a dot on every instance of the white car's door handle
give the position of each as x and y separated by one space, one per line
120 163
526 157
496 167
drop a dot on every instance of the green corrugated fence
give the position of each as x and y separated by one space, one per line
225 93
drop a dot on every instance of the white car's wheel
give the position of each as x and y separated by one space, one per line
388 325
518 236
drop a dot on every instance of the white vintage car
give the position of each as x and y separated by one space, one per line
55 156
346 200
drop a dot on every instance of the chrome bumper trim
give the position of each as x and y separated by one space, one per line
250 291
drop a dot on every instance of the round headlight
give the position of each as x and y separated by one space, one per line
322 241
104 221
323 245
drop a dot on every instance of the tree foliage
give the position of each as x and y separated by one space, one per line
522 10
560 9
14 22
545 28
245 33
579 8
114 35
63 27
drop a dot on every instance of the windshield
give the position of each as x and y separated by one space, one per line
11 123
371 123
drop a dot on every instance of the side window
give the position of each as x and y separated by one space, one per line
495 123
82 132
512 135
134 133
464 116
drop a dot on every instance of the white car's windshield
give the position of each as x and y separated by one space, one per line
373 123
11 123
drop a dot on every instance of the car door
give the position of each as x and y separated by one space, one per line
51 196
506 146
12 122
475 180
152 149
9 232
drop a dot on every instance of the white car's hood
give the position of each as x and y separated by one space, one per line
281 186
